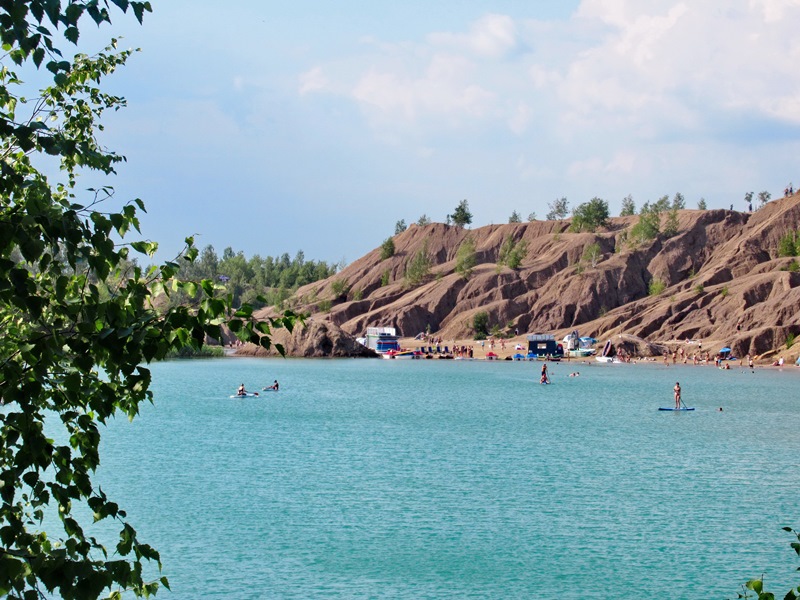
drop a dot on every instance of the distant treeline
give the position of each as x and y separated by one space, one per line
274 278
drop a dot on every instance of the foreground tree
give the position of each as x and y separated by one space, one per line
77 314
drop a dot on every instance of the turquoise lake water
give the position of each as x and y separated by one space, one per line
461 479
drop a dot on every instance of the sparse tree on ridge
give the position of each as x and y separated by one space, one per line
461 216
748 198
663 204
400 226
590 215
763 198
559 209
678 202
515 218
423 220
532 217
701 204
628 207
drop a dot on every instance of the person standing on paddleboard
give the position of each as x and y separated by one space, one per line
544 378
677 390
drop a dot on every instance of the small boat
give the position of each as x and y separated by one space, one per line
607 359
402 354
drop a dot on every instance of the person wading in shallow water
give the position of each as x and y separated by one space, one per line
677 390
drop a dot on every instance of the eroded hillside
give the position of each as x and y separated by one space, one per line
721 274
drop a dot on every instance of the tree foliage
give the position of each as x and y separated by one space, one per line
764 197
789 244
466 257
671 224
423 220
461 216
590 215
480 324
245 279
400 226
757 585
515 217
648 227
592 254
701 204
387 248
559 209
628 207
418 268
77 313
512 253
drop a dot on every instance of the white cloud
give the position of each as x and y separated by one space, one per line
443 91
492 36
312 81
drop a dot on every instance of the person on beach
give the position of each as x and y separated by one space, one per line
677 390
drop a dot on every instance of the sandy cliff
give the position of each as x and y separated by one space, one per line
723 281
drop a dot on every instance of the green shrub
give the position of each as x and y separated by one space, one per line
480 324
794 267
387 248
649 225
592 254
789 340
358 294
339 288
512 253
205 352
656 287
418 267
466 258
788 245
324 305
699 289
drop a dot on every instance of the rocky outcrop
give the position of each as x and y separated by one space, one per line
720 274
317 339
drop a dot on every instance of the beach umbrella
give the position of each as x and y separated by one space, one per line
726 349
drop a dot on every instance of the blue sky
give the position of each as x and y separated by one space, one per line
277 127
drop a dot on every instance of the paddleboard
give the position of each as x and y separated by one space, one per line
244 395
268 390
676 409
